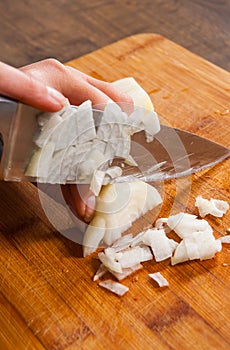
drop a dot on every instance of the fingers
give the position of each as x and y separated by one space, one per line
81 91
17 85
122 99
75 85
84 87
81 201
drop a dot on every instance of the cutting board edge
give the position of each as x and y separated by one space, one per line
146 37
129 37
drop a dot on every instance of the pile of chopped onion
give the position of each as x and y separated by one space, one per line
74 146
117 207
126 254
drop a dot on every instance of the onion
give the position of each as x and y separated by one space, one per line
127 271
184 224
214 207
114 287
117 207
97 181
109 259
198 245
123 242
225 239
162 247
106 139
134 256
100 272
157 276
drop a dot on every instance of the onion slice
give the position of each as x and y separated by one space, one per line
117 207
135 255
114 287
225 239
185 224
161 281
199 245
215 207
162 247
127 272
100 272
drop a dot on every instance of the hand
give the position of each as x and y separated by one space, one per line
73 84
46 85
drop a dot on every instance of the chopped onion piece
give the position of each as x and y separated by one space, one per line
48 121
109 259
185 224
93 160
95 233
130 161
180 254
115 287
41 156
214 207
60 167
135 255
192 249
157 276
111 121
219 245
160 244
160 223
114 172
141 119
140 97
198 245
126 272
44 119
86 130
97 181
100 272
123 242
138 239
225 239
120 204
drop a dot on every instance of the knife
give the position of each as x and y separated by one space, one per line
173 152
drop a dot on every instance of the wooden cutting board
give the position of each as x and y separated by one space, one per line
48 298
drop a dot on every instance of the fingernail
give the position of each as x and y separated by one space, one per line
56 97
90 208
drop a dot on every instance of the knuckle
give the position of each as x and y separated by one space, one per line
53 63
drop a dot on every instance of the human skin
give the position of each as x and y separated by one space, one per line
46 85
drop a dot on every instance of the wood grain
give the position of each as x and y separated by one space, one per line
48 299
32 30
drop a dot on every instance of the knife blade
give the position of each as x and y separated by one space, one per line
173 152
18 125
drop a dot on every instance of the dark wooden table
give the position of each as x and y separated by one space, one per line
31 30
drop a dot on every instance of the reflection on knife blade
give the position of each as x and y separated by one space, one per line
177 152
